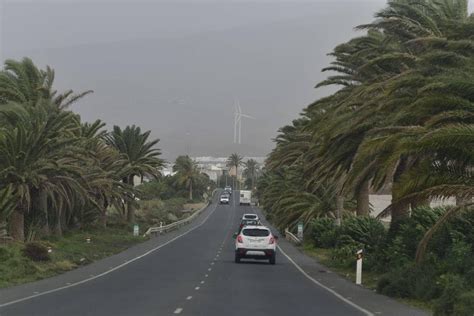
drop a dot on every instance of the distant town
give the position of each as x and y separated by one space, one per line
214 167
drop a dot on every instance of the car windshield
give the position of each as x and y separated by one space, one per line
256 232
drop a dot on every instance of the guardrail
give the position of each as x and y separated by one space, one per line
291 237
166 228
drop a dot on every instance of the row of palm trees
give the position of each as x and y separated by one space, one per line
250 172
57 172
402 120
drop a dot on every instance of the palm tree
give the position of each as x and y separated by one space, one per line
141 155
22 82
187 173
235 161
251 171
36 147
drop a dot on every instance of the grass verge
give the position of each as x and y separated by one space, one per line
369 279
68 252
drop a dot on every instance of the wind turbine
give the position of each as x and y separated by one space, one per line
238 115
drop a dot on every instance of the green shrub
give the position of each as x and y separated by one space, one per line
367 231
464 306
36 251
4 254
454 286
395 284
324 232
419 282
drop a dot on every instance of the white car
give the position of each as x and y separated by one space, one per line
250 216
255 242
224 199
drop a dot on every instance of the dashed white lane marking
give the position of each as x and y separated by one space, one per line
210 269
339 296
178 311
202 282
189 298
212 263
126 262
197 288
206 276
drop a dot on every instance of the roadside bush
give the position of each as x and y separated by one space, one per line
464 306
366 231
324 232
4 253
395 284
454 287
418 282
36 251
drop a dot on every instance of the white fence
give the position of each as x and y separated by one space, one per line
291 237
166 228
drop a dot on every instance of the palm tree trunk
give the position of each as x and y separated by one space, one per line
103 215
130 204
363 199
339 209
43 202
17 225
401 211
191 191
237 177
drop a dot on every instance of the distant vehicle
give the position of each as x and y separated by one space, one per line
245 197
228 189
255 242
224 199
248 222
250 216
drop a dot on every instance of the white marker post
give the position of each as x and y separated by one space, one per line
360 255
161 228
300 231
136 230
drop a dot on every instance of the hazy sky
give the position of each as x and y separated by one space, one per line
175 67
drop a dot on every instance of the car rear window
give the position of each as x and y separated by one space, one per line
251 216
255 232
249 222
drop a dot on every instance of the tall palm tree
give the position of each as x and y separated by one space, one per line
235 161
37 147
187 173
141 155
251 171
23 82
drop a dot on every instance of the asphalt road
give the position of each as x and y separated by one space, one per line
194 275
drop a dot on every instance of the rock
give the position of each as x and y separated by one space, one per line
171 217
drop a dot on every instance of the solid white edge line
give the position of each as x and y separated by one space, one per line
339 296
110 270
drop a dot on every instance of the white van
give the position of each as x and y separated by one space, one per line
245 197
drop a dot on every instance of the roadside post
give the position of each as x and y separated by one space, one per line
161 228
360 256
135 230
300 231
